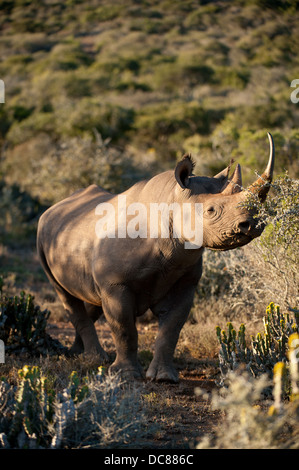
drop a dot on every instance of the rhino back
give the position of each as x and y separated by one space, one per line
66 237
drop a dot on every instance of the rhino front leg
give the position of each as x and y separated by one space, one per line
119 310
172 312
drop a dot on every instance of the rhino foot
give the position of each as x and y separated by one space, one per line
100 354
96 350
127 370
162 373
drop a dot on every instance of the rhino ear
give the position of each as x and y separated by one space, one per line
183 170
223 175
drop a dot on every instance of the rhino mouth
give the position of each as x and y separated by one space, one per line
231 241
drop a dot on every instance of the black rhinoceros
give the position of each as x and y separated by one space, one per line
124 254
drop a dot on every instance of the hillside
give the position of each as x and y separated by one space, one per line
155 78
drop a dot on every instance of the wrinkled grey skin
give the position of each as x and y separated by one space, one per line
124 277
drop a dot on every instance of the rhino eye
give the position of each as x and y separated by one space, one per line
211 211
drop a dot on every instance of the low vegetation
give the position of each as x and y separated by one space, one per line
102 411
23 326
266 349
250 422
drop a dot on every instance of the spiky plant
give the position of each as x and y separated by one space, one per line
265 349
23 325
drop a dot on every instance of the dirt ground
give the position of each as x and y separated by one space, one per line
182 416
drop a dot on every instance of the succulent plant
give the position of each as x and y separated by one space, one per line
266 349
23 326
94 411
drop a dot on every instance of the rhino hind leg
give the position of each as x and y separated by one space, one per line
86 339
82 318
94 312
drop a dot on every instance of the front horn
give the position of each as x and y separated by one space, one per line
262 185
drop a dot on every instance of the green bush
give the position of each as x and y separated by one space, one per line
249 146
279 244
202 18
101 412
186 72
76 87
75 118
37 122
60 168
68 56
236 79
18 213
265 351
249 422
23 326
15 64
102 13
165 128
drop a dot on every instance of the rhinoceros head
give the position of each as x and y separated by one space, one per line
227 223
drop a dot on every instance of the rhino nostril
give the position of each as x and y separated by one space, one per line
244 226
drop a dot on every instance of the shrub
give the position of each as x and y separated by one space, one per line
231 77
102 13
18 213
25 418
202 18
23 326
68 56
232 138
279 244
186 72
62 167
111 120
266 350
167 126
249 422
101 412
36 122
76 87
232 287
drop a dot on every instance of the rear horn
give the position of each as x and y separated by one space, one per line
235 184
